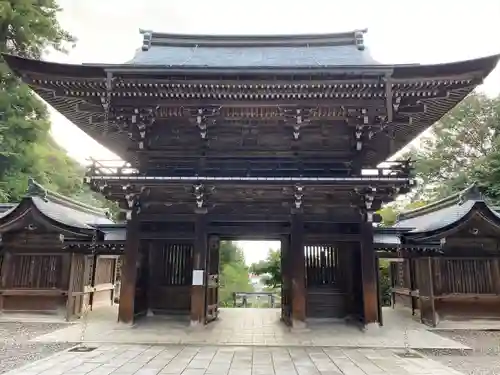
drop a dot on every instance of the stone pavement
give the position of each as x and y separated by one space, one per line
229 360
258 327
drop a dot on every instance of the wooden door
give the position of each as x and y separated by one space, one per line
76 290
325 284
212 281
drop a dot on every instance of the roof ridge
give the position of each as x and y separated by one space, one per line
469 193
354 38
37 190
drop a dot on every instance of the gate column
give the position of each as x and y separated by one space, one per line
198 289
297 270
129 269
285 280
369 275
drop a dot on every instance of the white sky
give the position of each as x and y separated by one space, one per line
424 31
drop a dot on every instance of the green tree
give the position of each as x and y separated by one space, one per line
234 278
390 212
229 253
487 173
389 215
447 159
271 267
234 272
27 28
385 282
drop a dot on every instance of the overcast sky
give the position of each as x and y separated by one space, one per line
424 31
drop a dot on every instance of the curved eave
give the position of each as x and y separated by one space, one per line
27 212
22 65
480 207
475 70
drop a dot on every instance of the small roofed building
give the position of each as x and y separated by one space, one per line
39 272
449 265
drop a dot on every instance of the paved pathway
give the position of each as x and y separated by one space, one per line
259 327
15 348
484 359
226 360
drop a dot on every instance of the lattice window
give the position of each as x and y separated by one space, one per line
473 276
321 265
35 271
177 261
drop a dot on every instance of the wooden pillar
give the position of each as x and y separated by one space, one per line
4 275
425 281
495 272
369 275
213 272
153 248
115 280
284 278
379 292
198 289
93 271
298 271
70 299
129 271
411 271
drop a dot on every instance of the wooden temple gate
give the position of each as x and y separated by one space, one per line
317 278
260 133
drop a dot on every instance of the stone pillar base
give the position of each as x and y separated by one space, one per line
196 324
125 324
371 328
299 326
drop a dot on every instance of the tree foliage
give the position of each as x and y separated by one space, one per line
270 267
29 29
234 272
458 147
390 213
229 253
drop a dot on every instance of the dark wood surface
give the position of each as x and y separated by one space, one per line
129 272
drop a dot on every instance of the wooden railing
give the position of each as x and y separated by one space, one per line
110 167
99 168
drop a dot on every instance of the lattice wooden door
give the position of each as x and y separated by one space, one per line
76 292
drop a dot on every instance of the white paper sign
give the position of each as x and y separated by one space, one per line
198 277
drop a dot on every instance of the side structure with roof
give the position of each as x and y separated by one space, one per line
459 274
39 272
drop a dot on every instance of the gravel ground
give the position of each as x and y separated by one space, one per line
484 358
15 350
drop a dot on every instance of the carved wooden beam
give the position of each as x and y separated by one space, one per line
298 117
202 116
